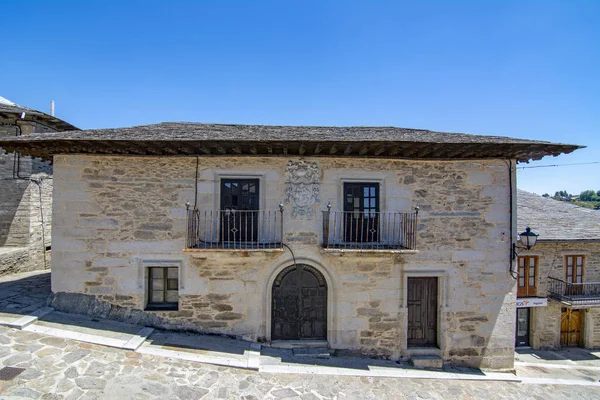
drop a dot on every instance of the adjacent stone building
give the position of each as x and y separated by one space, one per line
558 288
25 192
384 241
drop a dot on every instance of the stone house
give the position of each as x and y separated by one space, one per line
558 290
25 192
385 241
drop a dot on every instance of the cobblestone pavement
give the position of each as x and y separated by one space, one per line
24 293
56 368
66 369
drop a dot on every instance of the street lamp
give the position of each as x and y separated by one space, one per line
527 240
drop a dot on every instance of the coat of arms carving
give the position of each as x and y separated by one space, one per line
302 185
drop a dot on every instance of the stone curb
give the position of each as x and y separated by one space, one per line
27 320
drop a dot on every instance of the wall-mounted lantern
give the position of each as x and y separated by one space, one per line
527 240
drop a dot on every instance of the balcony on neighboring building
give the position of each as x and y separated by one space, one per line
574 294
369 231
234 230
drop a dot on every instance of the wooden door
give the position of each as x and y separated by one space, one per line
299 308
422 312
570 328
239 210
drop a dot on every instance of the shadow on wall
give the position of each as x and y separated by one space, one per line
14 212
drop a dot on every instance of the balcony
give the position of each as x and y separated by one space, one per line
574 294
369 231
223 230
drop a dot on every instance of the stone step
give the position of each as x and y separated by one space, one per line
314 352
293 344
427 361
423 351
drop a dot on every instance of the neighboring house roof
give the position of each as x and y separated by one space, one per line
556 220
172 138
8 107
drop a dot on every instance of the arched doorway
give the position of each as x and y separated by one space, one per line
299 309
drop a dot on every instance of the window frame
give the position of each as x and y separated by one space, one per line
164 305
355 229
573 268
527 289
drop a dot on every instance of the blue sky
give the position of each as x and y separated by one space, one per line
527 69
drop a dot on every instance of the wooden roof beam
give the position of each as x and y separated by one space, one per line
301 149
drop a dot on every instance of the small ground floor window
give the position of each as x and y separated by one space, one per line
163 288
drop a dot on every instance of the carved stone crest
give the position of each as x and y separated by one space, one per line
302 185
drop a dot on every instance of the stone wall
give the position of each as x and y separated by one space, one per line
545 326
592 328
20 207
116 216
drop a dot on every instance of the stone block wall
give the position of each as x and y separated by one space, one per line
115 216
20 208
592 329
545 326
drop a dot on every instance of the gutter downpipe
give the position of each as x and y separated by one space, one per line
512 216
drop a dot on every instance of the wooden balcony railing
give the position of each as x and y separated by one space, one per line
574 294
234 229
359 231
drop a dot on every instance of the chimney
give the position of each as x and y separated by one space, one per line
52 107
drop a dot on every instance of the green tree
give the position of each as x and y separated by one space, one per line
588 195
562 195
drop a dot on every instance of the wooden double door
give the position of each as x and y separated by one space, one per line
422 312
299 307
570 328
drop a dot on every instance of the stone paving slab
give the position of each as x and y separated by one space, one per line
21 294
572 356
200 348
86 329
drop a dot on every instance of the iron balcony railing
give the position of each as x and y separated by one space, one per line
234 229
358 230
574 294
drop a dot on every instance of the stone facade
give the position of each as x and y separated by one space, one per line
545 322
25 200
115 216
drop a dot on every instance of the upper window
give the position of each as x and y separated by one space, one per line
239 210
528 267
575 265
163 288
361 212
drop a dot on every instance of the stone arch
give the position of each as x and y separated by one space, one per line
330 280
299 304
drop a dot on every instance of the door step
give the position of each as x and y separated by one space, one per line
313 352
423 351
427 361
293 344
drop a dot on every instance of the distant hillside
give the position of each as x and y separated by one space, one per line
587 198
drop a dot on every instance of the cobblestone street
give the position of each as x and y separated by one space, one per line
57 368
65 369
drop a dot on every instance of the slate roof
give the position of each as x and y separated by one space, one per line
9 107
172 138
556 220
